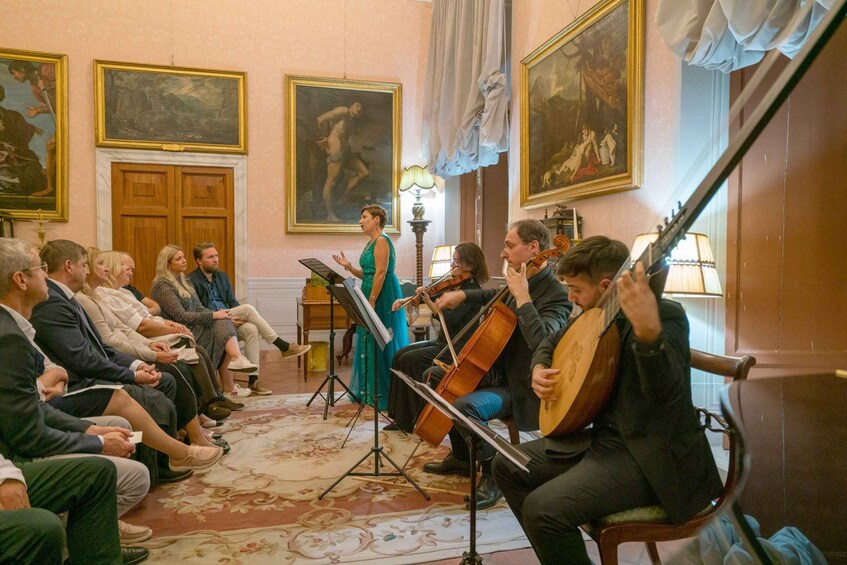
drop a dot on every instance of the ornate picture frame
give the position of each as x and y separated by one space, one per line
343 152
170 108
582 108
34 135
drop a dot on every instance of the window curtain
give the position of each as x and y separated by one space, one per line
732 34
465 116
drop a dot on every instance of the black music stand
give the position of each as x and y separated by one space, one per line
354 302
332 278
477 431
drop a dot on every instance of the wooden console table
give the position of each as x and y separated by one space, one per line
314 315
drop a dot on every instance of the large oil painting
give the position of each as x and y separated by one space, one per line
343 152
33 135
170 108
582 107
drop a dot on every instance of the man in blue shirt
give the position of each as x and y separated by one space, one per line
215 292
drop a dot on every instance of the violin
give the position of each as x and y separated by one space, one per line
448 282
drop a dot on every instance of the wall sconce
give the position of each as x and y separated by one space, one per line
420 180
692 265
442 257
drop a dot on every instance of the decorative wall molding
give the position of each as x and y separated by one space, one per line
105 157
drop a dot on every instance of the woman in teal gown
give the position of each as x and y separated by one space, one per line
381 287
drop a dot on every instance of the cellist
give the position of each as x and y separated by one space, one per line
541 306
404 404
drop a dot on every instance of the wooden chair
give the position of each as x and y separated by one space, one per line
650 524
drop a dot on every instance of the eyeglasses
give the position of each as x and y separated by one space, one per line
42 266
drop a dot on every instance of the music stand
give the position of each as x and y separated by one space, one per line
477 431
332 278
354 302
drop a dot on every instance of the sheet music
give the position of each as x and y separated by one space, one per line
384 332
506 449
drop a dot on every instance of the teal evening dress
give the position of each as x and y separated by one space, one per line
394 321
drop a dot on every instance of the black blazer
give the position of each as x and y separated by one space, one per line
651 408
547 312
222 285
28 427
62 334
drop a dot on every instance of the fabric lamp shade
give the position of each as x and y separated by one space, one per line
442 256
692 265
418 179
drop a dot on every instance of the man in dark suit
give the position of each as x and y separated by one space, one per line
32 429
67 336
215 293
646 447
541 306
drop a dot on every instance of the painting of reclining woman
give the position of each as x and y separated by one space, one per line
581 105
346 146
33 143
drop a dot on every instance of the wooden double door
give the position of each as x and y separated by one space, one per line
155 205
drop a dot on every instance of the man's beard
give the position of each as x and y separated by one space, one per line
212 269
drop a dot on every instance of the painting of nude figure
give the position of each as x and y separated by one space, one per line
581 108
343 152
33 135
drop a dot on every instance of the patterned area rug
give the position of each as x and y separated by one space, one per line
260 504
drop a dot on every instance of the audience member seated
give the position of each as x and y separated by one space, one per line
215 293
151 305
115 334
66 335
134 315
31 496
212 330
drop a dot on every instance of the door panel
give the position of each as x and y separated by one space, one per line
154 205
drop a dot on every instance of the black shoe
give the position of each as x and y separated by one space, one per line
392 427
450 466
222 443
169 476
487 492
216 435
130 555
217 411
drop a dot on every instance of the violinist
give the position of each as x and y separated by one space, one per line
645 448
541 306
404 404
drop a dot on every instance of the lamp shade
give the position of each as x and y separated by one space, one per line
442 256
692 265
416 177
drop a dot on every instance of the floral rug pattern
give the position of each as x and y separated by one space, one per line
260 503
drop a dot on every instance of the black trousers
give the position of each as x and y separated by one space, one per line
571 481
404 404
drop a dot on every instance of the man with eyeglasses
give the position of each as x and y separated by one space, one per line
540 303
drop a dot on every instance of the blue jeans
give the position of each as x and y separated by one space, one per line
480 406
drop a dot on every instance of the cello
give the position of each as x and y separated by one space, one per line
587 354
480 352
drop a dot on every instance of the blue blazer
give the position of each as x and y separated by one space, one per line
221 283
68 337
30 428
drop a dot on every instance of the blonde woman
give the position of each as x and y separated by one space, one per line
131 312
124 339
212 330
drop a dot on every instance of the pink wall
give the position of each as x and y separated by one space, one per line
384 40
621 215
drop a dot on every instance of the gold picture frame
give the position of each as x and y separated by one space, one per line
170 108
343 151
34 136
582 108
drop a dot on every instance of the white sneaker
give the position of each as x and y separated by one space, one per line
242 365
238 392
